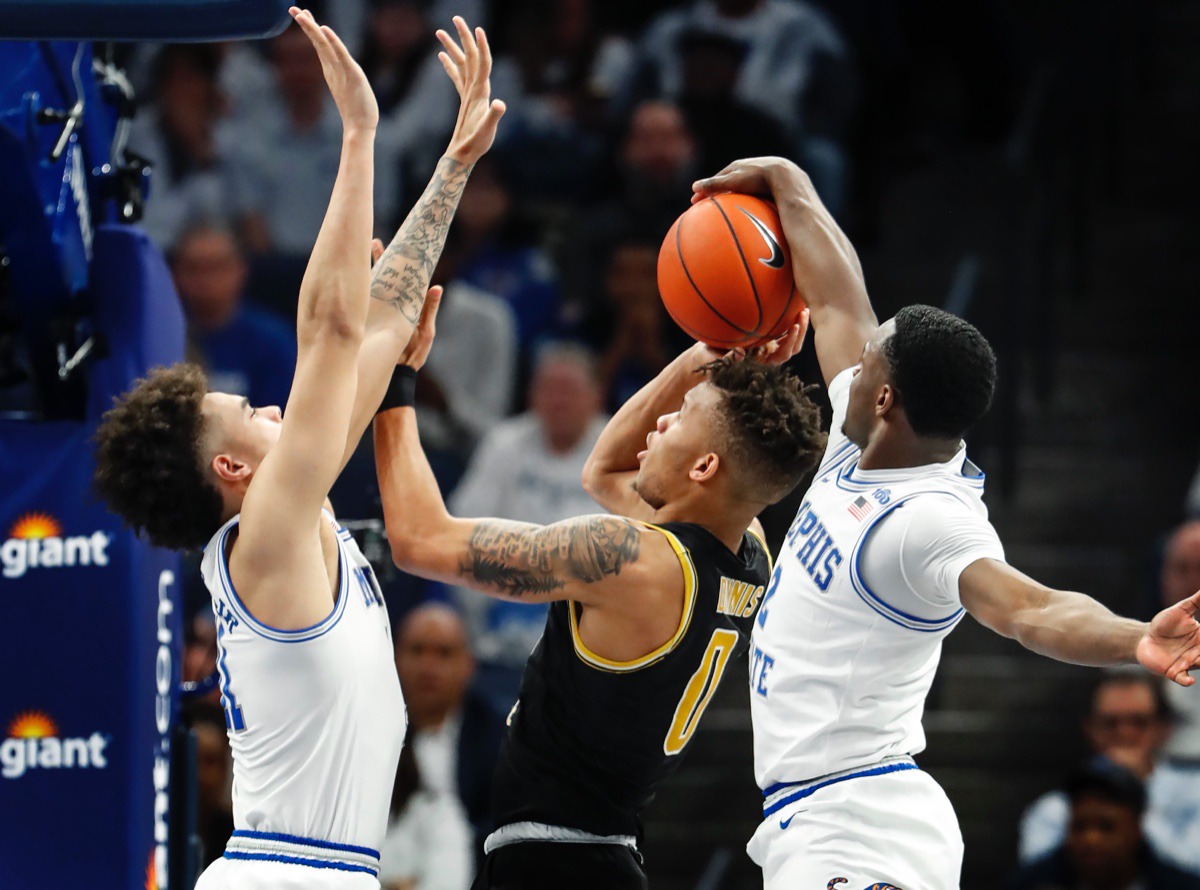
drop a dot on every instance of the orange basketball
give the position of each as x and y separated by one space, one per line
725 275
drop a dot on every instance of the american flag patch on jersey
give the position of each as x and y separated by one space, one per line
860 508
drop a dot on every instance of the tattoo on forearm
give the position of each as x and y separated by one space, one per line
402 274
521 559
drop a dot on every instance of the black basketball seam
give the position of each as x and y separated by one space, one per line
786 306
703 299
745 264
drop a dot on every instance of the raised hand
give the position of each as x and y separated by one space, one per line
1171 647
784 347
470 67
347 82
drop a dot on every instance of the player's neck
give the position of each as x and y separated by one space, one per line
903 449
724 522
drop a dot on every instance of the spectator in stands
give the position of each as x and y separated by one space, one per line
417 102
439 813
656 166
244 349
186 139
529 469
1128 724
795 69
466 387
1105 847
559 76
200 650
214 776
501 256
644 339
286 158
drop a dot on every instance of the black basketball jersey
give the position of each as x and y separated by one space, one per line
590 739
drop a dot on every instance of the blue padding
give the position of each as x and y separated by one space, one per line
136 309
175 20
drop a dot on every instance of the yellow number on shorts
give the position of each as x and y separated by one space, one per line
700 690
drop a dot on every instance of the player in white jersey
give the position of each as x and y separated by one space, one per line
890 546
312 703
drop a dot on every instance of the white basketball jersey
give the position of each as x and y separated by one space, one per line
315 717
839 665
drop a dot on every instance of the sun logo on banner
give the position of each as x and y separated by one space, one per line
151 874
36 525
32 725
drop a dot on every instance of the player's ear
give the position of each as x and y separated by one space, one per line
705 468
230 469
886 400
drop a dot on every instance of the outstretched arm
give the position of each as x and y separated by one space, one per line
283 501
579 559
1075 628
824 263
401 276
613 464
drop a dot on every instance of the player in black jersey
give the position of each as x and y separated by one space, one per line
648 606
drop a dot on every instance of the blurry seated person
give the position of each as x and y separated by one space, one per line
440 807
529 468
245 350
644 339
1105 848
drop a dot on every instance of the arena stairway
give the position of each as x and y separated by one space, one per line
1108 443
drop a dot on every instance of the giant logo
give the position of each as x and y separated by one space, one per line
34 743
36 541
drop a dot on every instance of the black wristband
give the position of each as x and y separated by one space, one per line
402 391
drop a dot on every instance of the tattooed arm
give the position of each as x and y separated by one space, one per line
401 277
595 560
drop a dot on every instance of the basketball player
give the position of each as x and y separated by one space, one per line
647 606
891 544
312 704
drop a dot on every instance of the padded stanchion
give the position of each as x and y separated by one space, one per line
174 20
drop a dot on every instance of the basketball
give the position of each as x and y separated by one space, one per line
725 275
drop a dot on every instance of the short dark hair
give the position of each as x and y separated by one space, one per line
944 371
773 428
148 465
1102 778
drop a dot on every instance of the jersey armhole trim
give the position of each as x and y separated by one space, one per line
763 543
276 634
689 605
877 603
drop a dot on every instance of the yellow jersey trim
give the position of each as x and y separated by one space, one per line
689 606
766 549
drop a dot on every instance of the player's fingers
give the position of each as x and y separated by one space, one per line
452 71
452 48
309 26
470 51
495 112
485 54
1191 605
376 250
343 55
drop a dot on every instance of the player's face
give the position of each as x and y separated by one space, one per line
678 443
872 374
243 432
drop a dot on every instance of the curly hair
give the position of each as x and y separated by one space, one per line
944 370
148 465
772 427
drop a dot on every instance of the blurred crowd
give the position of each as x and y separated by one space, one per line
551 319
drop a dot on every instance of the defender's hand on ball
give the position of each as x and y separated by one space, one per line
417 350
750 176
351 91
470 67
1171 647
